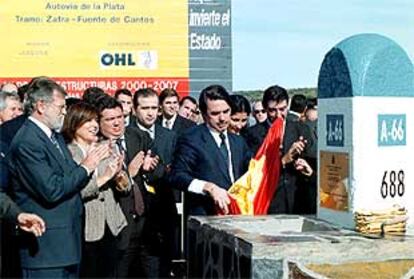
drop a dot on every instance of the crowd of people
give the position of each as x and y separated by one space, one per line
96 183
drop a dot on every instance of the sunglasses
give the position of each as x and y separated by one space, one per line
259 111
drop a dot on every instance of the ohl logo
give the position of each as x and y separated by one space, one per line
118 59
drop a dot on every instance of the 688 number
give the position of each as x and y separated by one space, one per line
392 184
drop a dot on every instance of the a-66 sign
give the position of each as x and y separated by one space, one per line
335 134
392 129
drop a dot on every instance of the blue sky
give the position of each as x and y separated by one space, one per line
284 41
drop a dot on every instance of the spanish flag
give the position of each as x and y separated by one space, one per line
252 193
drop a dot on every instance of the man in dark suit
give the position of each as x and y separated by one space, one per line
9 239
295 138
8 130
26 221
47 182
306 193
170 118
134 143
163 216
207 159
297 108
10 211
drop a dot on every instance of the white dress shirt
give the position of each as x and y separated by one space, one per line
150 130
171 122
42 126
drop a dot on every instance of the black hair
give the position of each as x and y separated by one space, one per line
168 92
274 93
298 103
311 103
240 103
92 95
106 102
144 92
213 92
189 98
123 91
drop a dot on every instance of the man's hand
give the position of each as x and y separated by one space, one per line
219 195
31 223
150 161
303 166
294 151
136 164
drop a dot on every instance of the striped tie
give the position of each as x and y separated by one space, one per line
53 138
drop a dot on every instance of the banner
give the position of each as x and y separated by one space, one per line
114 44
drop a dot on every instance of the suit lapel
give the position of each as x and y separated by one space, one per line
235 155
158 133
211 146
129 146
63 146
135 141
177 124
49 145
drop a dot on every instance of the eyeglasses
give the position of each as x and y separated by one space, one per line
259 111
61 108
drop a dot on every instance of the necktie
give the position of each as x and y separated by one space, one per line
56 143
139 206
223 148
150 133
119 143
168 124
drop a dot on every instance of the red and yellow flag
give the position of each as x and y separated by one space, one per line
252 193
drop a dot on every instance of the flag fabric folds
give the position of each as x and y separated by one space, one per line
252 193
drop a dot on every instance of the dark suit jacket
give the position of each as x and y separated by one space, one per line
4 174
198 156
181 124
255 135
48 184
163 215
163 145
291 182
9 129
292 116
132 120
136 141
8 209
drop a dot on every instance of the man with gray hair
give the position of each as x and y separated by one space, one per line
47 182
9 106
9 87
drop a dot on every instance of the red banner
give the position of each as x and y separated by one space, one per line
76 86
